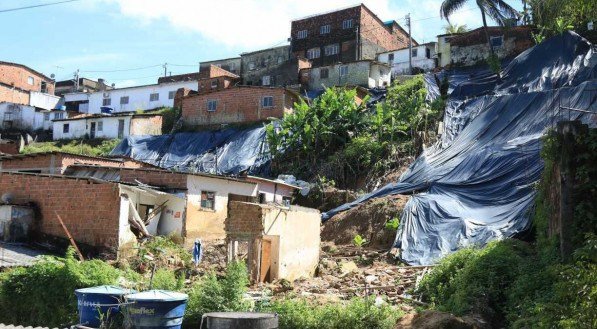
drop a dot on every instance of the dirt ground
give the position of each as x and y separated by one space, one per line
368 220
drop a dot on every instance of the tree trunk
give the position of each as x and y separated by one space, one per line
486 31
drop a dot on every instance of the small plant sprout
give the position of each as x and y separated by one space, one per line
359 241
393 224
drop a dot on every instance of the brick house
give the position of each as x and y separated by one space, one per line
470 48
345 35
210 78
241 104
97 213
57 162
17 81
229 64
276 66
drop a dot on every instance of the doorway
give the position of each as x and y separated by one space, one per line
266 261
92 131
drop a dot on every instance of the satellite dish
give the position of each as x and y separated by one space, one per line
52 75
113 85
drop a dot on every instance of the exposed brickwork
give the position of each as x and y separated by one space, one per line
146 125
56 163
160 178
9 148
89 210
13 95
367 36
209 85
17 75
242 104
244 218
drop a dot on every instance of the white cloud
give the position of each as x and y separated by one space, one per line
239 23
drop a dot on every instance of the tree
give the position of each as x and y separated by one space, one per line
501 12
455 28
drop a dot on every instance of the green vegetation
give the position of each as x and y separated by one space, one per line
335 138
393 224
43 294
556 16
92 147
359 241
531 285
170 116
358 313
211 294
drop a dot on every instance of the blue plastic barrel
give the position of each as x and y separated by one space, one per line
99 302
155 309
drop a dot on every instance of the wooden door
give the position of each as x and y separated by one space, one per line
266 261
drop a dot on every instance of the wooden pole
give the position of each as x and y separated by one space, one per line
70 237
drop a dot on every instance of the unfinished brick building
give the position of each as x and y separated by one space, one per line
17 81
210 78
345 35
241 104
56 162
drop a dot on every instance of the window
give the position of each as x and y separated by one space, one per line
497 41
100 126
154 97
58 115
427 52
325 29
46 116
343 70
30 80
251 66
208 200
332 49
301 34
390 57
280 59
347 24
265 80
124 100
313 53
414 52
232 66
212 105
171 94
324 73
65 128
214 84
267 101
44 87
107 102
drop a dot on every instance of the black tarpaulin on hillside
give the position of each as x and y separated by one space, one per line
476 184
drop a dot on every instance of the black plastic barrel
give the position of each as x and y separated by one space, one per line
239 320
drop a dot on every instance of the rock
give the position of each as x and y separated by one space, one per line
439 320
348 267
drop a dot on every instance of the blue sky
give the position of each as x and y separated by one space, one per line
108 35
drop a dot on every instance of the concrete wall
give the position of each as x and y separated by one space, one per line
146 125
229 64
27 118
363 73
139 97
400 64
133 125
43 100
89 210
208 224
274 192
443 50
279 64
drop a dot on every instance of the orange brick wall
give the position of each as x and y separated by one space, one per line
57 163
155 178
204 85
17 76
13 95
236 105
89 210
244 218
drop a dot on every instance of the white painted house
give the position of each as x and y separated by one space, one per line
364 73
27 117
128 99
107 126
423 57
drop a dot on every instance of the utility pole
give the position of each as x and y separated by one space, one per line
410 46
356 50
165 66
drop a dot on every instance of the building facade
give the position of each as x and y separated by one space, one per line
85 85
231 65
366 73
241 104
107 126
127 99
423 59
28 118
17 81
272 67
471 48
345 35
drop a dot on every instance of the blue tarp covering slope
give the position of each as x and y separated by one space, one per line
476 184
237 150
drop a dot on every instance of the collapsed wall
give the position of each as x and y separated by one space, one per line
476 184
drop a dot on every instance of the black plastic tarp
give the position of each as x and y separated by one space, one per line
226 151
476 184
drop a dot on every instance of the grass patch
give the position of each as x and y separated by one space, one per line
91 147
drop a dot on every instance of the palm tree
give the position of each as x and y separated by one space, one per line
455 28
498 10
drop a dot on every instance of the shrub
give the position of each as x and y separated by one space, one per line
357 313
44 293
93 147
218 295
167 280
161 251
